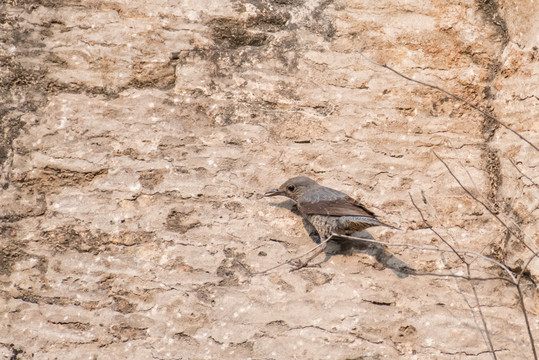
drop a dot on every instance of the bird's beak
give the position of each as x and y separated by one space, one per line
274 192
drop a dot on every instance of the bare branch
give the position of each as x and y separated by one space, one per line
523 307
428 248
456 97
481 316
516 282
435 232
291 261
484 205
524 175
485 199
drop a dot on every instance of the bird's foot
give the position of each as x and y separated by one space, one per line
299 264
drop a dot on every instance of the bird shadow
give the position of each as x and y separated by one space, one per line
342 246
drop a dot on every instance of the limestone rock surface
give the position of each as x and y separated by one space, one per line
137 139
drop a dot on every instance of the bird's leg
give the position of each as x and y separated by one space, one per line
298 264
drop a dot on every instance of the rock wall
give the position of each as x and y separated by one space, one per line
137 139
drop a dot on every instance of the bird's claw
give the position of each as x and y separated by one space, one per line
299 264
296 262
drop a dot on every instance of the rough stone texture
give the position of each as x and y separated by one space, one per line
137 138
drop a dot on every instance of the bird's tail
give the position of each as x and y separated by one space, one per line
387 225
369 221
372 221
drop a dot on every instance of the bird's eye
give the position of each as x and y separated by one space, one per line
291 188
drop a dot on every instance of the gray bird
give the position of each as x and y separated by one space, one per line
329 211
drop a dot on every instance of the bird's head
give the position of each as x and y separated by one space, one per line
293 188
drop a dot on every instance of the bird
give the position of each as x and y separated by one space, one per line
329 211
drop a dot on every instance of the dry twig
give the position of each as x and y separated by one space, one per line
456 97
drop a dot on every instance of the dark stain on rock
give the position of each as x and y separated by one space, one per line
72 325
288 2
72 239
230 33
492 165
15 351
39 208
491 14
9 256
489 126
153 75
407 331
230 266
321 24
268 20
185 339
234 206
315 277
55 178
32 297
69 238
149 179
180 220
254 31
125 332
22 87
14 253
121 304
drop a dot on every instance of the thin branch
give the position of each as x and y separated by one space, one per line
481 316
440 221
456 97
532 241
516 282
523 306
484 205
463 277
485 199
428 248
521 298
291 261
489 116
434 231
415 273
471 307
525 267
521 173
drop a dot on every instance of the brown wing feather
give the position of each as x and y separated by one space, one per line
345 206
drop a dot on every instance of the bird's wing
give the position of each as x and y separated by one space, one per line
343 206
